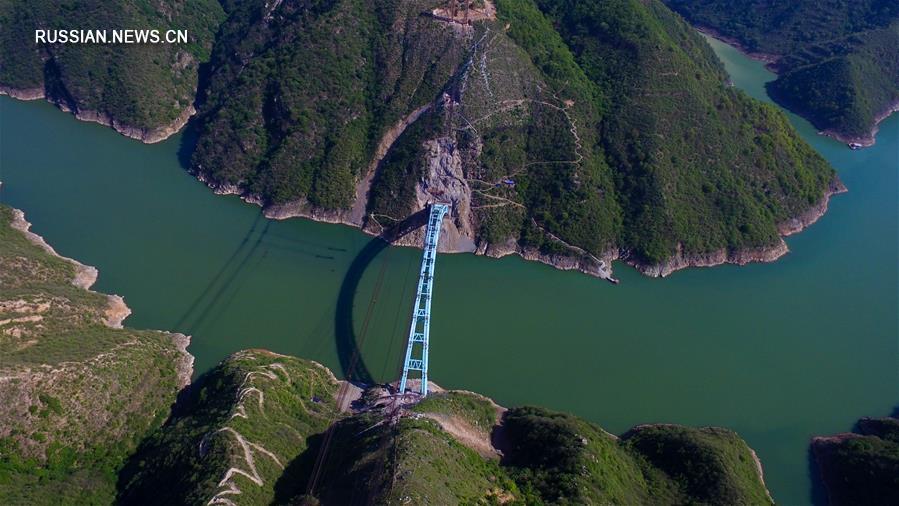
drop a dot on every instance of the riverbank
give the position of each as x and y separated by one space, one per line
85 275
78 391
770 61
145 135
116 311
870 138
580 260
681 260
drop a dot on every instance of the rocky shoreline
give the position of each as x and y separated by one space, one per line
145 135
770 61
596 267
582 262
870 138
748 255
117 310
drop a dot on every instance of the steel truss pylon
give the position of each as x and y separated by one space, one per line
421 311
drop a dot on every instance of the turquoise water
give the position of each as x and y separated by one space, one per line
778 352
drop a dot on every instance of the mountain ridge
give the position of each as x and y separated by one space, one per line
570 133
836 63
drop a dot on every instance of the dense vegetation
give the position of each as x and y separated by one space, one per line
426 455
564 460
844 84
145 86
575 127
861 468
299 97
602 125
697 164
411 462
839 58
76 396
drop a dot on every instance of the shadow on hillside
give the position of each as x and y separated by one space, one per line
188 143
160 472
818 492
293 483
348 347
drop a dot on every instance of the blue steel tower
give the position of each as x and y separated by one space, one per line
421 312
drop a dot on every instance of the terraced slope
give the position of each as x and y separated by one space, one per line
234 433
77 391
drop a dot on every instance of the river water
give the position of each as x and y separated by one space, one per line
778 352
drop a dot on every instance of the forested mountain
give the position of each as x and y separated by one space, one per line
838 60
145 91
573 132
255 431
579 128
860 467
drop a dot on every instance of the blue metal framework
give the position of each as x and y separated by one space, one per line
421 312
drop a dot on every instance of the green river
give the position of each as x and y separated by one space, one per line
778 352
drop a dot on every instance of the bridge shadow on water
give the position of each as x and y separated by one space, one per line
349 349
213 291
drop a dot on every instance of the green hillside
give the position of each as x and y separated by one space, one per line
838 64
76 396
566 460
141 86
569 127
843 85
860 467
251 439
575 128
411 462
237 428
